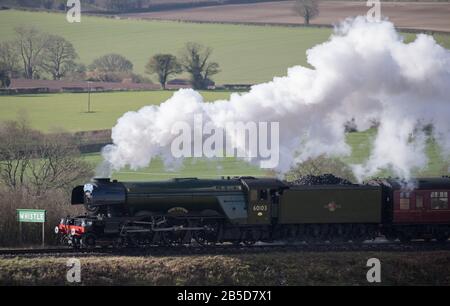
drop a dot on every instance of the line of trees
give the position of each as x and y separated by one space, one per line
38 162
34 55
123 6
101 4
195 59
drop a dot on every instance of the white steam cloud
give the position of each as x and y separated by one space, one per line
364 71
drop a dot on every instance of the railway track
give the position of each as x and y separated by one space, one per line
228 249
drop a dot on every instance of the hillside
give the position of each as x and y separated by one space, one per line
246 54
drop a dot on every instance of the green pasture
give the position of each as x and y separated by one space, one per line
202 168
246 54
68 111
50 112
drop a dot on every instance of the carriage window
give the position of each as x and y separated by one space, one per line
263 194
439 200
404 200
419 201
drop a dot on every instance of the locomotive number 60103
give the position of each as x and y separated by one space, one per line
260 207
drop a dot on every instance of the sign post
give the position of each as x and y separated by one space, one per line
32 216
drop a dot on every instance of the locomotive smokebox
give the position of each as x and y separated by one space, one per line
98 193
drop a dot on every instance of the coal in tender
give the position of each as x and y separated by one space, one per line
324 179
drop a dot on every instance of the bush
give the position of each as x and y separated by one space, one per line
36 171
55 202
321 165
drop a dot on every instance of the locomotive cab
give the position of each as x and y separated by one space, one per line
263 199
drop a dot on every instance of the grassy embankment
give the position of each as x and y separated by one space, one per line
341 268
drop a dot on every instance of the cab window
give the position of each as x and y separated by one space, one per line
404 200
439 200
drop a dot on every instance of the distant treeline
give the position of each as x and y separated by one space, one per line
129 6
36 55
123 6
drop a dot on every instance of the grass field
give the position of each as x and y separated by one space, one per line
204 168
269 269
201 168
246 54
67 111
47 112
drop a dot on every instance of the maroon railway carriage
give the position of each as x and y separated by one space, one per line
422 211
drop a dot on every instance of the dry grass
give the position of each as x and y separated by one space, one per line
428 268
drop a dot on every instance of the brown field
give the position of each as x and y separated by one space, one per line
432 16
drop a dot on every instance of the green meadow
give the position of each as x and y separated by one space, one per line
68 111
202 168
246 54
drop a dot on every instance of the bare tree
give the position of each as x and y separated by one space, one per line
308 9
16 140
31 43
5 80
39 162
56 163
59 56
195 59
164 65
9 59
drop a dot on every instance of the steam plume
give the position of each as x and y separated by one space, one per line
364 71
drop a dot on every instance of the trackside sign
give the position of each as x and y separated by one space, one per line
31 215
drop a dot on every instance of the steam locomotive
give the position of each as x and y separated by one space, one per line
244 210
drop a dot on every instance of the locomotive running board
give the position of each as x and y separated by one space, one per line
165 229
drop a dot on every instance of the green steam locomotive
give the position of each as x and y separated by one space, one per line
237 210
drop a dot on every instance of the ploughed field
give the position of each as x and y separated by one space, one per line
286 268
416 15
